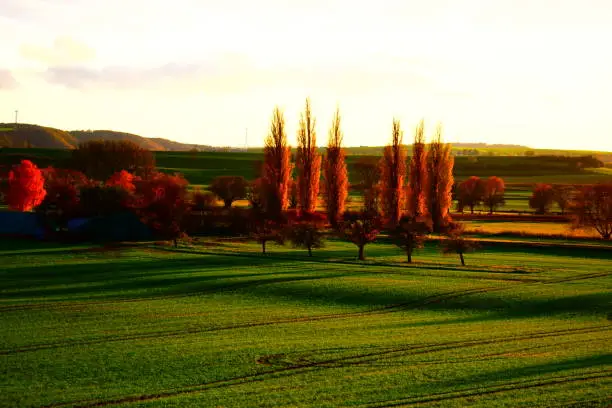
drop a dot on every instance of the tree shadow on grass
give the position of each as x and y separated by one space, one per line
536 370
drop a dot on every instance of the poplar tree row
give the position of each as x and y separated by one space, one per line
424 192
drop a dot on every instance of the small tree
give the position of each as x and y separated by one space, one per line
563 196
411 233
264 230
306 235
455 243
494 193
393 174
335 174
542 198
26 187
592 209
360 229
229 189
470 193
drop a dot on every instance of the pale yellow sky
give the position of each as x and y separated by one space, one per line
537 72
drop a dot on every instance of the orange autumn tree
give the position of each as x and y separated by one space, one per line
393 174
440 180
122 179
26 187
418 173
276 167
494 191
335 174
308 162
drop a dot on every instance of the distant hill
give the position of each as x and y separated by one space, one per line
26 135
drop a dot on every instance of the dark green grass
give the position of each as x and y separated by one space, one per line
221 325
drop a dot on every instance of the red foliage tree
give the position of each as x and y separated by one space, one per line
26 187
440 180
63 190
471 192
542 198
592 209
392 176
418 173
335 174
308 161
360 229
122 179
162 203
494 191
277 167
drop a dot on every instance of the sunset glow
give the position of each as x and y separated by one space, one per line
536 73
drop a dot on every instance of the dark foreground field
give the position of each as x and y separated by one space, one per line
207 326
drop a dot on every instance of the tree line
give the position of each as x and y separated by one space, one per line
408 197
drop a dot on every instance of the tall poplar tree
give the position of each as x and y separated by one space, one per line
308 162
334 173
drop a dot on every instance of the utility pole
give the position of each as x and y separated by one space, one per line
16 116
246 139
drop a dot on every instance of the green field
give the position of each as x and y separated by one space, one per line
215 324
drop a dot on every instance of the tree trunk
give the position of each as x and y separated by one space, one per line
491 210
228 203
472 209
409 253
361 257
263 247
175 243
462 260
309 251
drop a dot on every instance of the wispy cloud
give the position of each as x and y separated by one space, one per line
7 80
63 51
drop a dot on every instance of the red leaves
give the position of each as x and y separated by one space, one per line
162 202
26 187
542 198
122 179
592 209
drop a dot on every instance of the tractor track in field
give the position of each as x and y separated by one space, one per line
490 390
190 331
438 298
295 369
411 350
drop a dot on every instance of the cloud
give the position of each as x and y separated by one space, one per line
63 51
237 73
7 80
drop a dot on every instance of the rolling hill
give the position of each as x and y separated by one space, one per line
27 135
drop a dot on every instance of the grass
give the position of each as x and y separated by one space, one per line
217 324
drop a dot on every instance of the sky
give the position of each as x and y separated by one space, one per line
530 72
